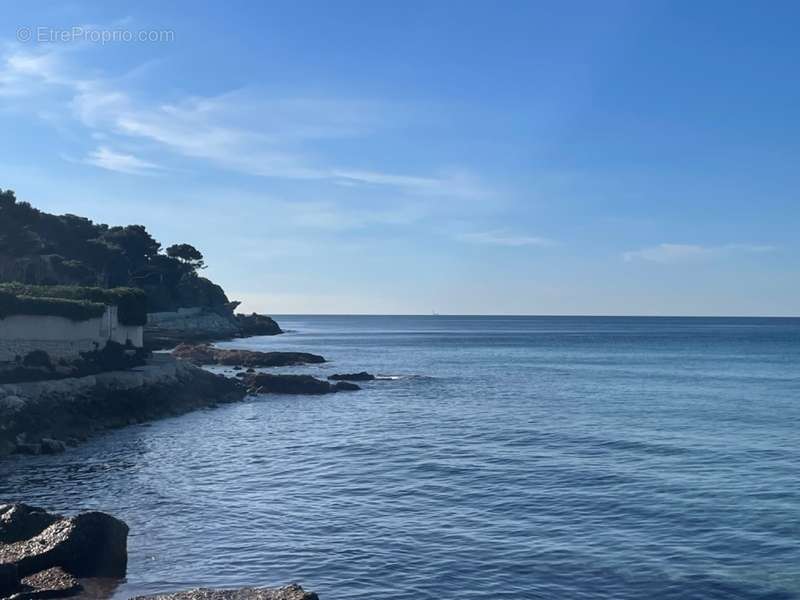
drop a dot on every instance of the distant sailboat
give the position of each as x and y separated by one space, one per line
434 313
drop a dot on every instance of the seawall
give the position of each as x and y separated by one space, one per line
62 338
70 410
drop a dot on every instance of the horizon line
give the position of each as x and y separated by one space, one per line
588 316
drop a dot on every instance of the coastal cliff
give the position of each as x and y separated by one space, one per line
168 329
197 324
45 416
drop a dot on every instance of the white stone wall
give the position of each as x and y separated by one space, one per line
61 337
116 332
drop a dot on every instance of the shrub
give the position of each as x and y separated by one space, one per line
131 302
36 365
112 357
74 310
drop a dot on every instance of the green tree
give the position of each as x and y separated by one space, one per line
136 243
188 255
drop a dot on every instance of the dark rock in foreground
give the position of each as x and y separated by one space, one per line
93 544
290 592
362 376
266 383
46 552
9 580
204 354
21 522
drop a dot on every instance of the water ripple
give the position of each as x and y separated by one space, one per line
509 458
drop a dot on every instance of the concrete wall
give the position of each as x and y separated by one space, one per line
113 330
60 337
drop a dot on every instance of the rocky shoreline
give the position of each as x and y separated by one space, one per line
48 416
206 355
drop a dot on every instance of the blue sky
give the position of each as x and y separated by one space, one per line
403 157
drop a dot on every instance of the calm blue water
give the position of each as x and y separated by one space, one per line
510 457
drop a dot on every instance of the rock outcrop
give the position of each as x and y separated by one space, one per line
198 325
46 563
289 592
168 329
267 383
205 354
255 324
41 417
362 376
92 544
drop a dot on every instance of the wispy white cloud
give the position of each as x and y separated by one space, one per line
676 253
505 238
245 131
105 158
458 184
329 216
24 73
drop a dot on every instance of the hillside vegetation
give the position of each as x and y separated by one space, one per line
38 248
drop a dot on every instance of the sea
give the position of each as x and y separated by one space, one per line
494 457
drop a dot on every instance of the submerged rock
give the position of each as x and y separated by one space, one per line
205 354
289 592
267 383
362 376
